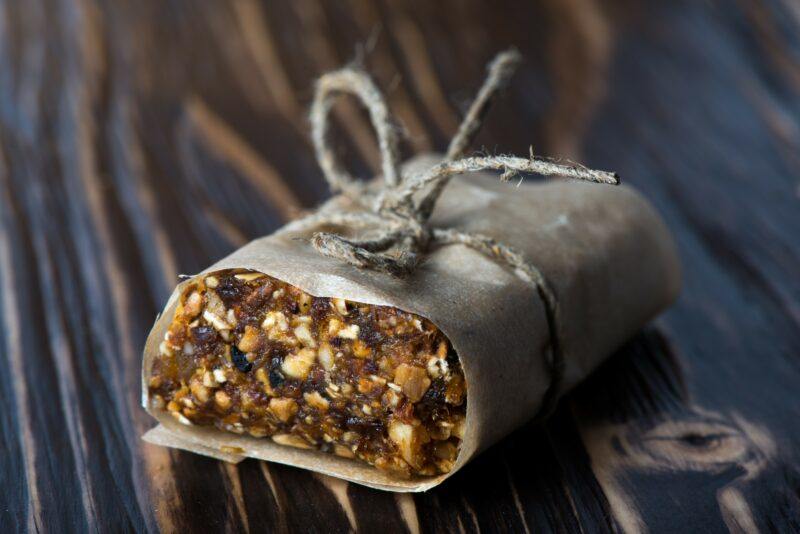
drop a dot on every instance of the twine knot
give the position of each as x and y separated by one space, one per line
392 220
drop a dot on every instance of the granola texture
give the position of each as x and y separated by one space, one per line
247 353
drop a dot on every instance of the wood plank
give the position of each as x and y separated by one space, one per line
142 139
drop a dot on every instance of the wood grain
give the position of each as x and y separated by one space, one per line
142 139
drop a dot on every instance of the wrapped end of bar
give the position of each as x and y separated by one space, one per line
247 354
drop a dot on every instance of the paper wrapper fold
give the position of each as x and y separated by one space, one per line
604 251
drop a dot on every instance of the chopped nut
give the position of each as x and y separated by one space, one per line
409 440
251 339
191 308
414 381
291 440
208 379
222 399
199 391
164 349
299 364
340 305
302 319
219 376
325 356
230 317
283 408
211 281
437 367
317 401
349 332
274 323
214 304
216 322
391 398
304 335
334 325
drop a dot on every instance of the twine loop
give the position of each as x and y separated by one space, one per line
392 220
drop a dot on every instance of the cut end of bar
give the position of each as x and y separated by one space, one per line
249 354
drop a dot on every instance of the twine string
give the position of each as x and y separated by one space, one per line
393 219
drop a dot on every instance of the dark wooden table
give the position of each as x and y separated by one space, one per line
142 139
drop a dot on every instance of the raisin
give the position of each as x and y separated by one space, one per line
240 360
251 307
231 290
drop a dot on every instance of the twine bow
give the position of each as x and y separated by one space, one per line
394 219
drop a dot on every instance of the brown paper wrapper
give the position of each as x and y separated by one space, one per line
604 251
